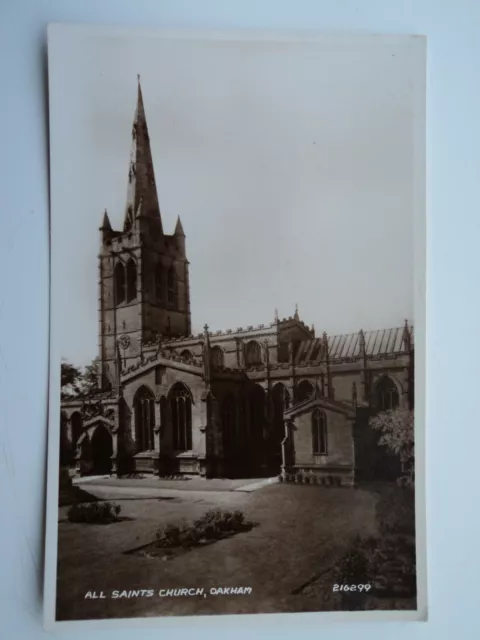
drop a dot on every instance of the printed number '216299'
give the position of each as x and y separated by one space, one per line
352 587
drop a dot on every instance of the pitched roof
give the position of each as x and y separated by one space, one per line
348 345
320 401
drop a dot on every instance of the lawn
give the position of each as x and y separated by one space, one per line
302 532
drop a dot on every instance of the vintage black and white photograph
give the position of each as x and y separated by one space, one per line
237 324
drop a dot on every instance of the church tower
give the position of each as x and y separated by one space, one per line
143 273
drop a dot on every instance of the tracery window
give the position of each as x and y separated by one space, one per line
119 276
305 390
386 394
159 283
319 432
181 414
217 356
144 408
253 353
171 289
131 280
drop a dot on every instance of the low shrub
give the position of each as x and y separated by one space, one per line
387 562
214 525
94 512
395 511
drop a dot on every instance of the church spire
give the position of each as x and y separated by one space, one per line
142 199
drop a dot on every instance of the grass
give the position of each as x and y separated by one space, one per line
302 530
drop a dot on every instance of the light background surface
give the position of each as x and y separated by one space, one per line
291 164
452 312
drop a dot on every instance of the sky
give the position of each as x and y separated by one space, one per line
291 164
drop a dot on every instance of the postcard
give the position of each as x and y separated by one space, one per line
237 393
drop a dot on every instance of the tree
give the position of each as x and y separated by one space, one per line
76 383
69 379
396 430
89 385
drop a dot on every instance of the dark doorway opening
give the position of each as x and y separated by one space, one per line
102 450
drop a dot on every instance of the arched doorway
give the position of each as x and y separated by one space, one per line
102 450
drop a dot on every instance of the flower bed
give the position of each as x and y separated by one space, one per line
94 513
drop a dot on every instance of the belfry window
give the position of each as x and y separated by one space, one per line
159 283
131 280
319 432
119 283
171 293
181 414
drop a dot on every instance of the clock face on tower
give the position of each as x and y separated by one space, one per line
124 341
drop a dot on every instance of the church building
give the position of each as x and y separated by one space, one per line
268 399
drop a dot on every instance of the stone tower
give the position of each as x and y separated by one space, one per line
143 273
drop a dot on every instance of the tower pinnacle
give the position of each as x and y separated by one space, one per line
106 226
179 228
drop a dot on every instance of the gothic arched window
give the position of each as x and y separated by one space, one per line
253 353
131 280
304 391
319 432
159 283
180 401
186 354
171 293
119 276
144 408
386 394
217 357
